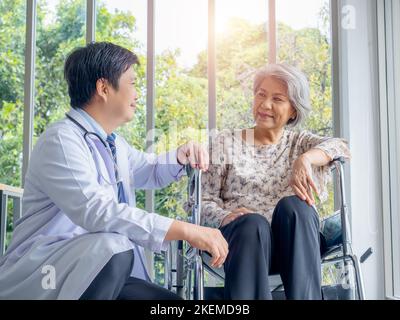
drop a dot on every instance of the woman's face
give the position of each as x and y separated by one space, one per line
271 106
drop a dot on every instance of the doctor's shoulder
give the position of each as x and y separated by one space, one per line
56 134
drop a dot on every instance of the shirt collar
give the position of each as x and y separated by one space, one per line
95 125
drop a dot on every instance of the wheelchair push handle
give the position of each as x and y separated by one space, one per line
337 162
342 160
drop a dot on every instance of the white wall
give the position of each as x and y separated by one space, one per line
360 102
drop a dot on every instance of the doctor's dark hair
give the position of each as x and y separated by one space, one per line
97 60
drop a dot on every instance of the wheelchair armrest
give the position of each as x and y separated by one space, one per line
342 160
337 163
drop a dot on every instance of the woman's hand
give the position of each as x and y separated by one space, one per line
301 181
234 215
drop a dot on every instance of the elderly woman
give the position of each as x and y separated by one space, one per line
259 191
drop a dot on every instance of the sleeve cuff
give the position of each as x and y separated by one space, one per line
176 170
163 225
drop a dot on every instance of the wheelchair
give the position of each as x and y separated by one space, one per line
185 266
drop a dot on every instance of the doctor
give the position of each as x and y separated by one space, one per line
81 235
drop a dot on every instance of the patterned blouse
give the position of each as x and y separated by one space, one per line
242 174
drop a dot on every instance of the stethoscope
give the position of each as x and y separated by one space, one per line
86 136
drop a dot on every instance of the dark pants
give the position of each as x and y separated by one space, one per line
114 283
290 247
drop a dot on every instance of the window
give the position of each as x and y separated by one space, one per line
396 106
390 105
303 40
60 28
180 90
124 23
181 69
12 39
181 95
241 48
12 70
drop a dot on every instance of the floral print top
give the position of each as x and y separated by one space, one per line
242 174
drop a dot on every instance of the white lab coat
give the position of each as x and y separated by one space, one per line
72 220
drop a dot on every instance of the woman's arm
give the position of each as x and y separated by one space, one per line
316 157
332 147
314 151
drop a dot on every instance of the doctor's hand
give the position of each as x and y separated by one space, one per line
203 238
195 154
210 240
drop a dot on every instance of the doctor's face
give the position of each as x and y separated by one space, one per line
122 102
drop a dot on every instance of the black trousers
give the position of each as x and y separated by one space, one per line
290 247
114 283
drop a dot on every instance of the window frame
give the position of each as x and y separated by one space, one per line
29 93
389 75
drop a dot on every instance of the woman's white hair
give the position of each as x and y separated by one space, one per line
297 87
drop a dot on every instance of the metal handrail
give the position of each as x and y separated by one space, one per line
15 194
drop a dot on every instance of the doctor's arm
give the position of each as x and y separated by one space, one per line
153 172
65 174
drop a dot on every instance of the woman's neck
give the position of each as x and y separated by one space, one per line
267 136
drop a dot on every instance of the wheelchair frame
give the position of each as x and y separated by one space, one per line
189 264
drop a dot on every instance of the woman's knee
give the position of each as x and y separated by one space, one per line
250 225
292 207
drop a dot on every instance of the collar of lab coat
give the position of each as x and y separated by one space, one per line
94 124
81 120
